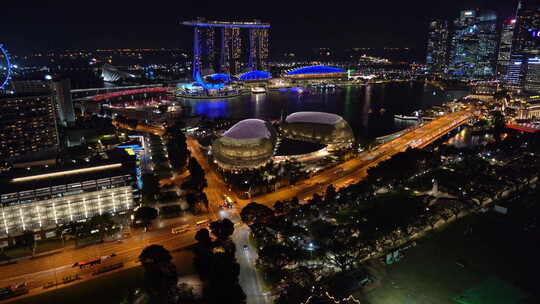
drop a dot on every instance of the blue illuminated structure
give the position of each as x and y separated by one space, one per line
210 86
254 75
230 51
7 61
219 78
315 69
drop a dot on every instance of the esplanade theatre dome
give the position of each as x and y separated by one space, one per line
318 127
247 144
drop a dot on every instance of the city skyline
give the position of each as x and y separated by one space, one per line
296 26
270 152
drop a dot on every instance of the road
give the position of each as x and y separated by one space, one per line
249 278
53 268
355 170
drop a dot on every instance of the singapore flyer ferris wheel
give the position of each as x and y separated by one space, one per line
5 67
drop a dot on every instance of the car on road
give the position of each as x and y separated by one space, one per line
105 257
180 229
89 263
227 202
246 247
204 222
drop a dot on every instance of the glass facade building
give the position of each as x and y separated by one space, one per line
505 47
527 26
437 48
474 45
523 71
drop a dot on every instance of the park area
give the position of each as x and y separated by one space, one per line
481 259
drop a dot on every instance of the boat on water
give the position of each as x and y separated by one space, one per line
405 117
258 90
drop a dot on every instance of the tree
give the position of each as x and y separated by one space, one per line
256 213
223 229
216 267
279 207
28 240
191 200
196 174
102 222
343 254
204 200
276 256
150 188
177 147
330 194
203 253
295 202
160 275
146 215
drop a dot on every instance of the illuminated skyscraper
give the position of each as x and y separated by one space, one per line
258 49
531 81
515 71
232 55
264 45
210 62
524 69
505 47
527 27
27 127
236 51
225 57
437 48
473 45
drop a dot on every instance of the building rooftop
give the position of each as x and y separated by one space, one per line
249 129
117 162
205 23
313 117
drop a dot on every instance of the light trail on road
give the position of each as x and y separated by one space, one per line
54 267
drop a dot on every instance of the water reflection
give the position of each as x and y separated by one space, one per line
466 138
360 106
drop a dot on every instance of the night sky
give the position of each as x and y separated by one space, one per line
296 25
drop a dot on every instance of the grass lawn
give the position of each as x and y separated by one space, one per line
431 272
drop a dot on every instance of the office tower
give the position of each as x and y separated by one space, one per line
527 27
27 127
531 82
525 49
437 48
515 70
473 45
64 103
505 47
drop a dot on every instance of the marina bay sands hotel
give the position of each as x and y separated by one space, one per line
219 47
